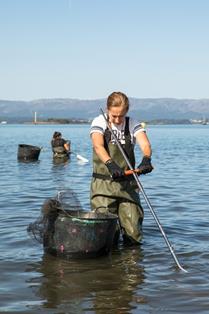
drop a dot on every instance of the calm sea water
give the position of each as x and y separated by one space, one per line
142 280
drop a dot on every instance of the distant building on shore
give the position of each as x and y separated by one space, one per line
35 117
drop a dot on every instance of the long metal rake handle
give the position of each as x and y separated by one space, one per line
145 196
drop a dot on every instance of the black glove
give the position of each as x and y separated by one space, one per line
145 166
115 171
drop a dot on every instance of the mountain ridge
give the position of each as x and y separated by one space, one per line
140 108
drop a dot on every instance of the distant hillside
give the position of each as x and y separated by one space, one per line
143 109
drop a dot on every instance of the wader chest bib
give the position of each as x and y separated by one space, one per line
102 184
58 149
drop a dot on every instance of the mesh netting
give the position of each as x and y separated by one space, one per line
68 200
43 226
66 230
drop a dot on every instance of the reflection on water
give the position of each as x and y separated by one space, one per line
99 285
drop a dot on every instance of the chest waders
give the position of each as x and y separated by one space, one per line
58 149
117 196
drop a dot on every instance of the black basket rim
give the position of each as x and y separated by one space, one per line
29 146
76 214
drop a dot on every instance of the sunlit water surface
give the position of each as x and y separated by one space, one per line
137 280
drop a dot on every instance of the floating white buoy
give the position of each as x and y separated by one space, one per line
81 158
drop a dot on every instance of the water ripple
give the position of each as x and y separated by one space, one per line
144 279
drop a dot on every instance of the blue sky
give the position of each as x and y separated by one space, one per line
88 48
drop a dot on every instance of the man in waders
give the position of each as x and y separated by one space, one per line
60 147
111 190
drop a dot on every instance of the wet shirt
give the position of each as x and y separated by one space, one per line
99 125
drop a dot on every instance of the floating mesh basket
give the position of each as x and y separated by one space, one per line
28 152
66 230
81 234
